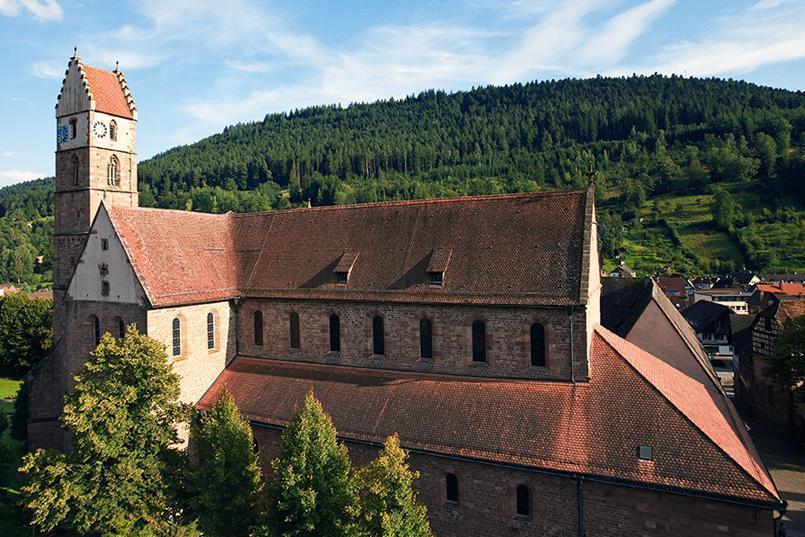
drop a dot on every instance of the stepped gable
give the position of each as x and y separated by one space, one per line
107 90
508 249
528 249
592 429
180 257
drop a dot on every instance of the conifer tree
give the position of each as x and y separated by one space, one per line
121 416
389 507
312 491
225 484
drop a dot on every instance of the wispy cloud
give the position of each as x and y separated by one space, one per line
47 10
6 153
8 177
48 70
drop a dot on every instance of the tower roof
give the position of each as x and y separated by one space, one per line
103 91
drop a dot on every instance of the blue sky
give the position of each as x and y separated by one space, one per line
195 66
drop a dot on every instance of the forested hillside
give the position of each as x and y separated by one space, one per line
693 175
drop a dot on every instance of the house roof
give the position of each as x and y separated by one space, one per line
785 309
108 89
592 429
675 284
783 278
527 247
789 289
703 313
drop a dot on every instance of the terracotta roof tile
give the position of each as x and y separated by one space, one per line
591 429
790 289
107 92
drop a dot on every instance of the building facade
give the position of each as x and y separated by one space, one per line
469 326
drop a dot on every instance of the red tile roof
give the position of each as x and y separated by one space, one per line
790 289
107 91
591 429
527 247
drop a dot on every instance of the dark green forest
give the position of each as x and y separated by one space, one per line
693 175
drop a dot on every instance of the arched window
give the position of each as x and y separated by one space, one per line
451 488
478 341
121 328
76 171
335 333
210 331
537 345
426 338
177 337
378 337
113 130
294 322
96 330
258 327
523 501
73 128
113 171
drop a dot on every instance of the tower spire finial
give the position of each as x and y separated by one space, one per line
117 65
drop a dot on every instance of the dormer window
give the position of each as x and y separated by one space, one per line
344 266
645 453
437 265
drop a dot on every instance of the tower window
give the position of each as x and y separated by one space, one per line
451 488
478 341
113 130
73 128
121 328
113 172
76 170
177 337
104 288
103 269
104 244
258 327
523 501
96 330
210 331
426 338
537 345
335 333
294 326
378 337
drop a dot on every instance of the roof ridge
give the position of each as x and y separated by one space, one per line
423 201
607 336
161 210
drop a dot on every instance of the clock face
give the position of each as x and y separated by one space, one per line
62 133
99 129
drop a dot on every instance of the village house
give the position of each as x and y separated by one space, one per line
469 326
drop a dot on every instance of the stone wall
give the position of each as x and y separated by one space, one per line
507 336
487 507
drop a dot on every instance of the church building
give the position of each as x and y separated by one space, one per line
469 326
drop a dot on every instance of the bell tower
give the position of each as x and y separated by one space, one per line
96 161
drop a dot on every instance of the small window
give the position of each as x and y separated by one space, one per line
103 269
258 327
478 341
177 337
210 331
104 244
523 501
378 337
104 288
426 338
113 130
436 278
113 171
294 326
96 330
73 128
451 487
537 345
335 333
645 453
76 171
121 328
342 277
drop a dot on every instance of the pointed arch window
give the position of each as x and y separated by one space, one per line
76 170
121 328
113 171
537 345
478 341
294 327
113 130
96 330
335 333
258 327
378 336
426 338
177 337
210 331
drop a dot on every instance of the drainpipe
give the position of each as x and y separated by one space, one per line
572 357
581 506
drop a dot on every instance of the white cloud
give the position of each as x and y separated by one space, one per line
48 70
6 153
47 10
9 177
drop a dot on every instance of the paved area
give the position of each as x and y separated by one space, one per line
786 462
